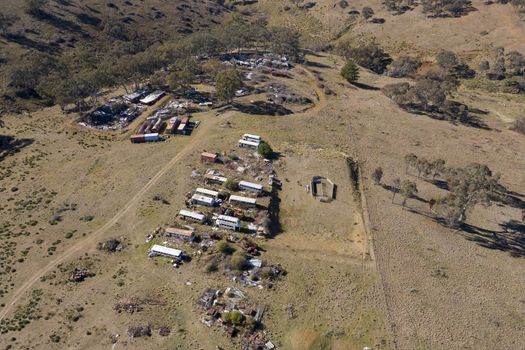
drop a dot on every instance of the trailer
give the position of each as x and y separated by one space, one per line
206 192
243 201
215 179
228 222
159 250
207 157
152 137
250 186
191 215
203 200
249 144
179 233
252 138
153 97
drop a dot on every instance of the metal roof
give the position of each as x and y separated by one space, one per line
250 185
207 192
243 199
159 249
191 214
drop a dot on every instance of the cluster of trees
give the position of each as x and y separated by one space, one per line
404 67
467 187
428 95
446 8
398 7
510 66
369 55
430 92
123 58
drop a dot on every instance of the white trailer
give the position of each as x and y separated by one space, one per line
206 192
203 200
252 138
159 250
243 201
248 144
250 186
191 215
228 222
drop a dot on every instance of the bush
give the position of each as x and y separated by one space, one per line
225 248
370 56
519 126
265 150
231 185
404 67
367 12
234 317
238 261
350 72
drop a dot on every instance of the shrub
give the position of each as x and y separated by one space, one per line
225 248
231 185
370 56
519 126
404 67
265 150
238 261
367 12
350 72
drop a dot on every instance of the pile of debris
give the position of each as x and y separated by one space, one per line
111 245
231 311
257 61
130 305
79 274
139 331
115 114
279 94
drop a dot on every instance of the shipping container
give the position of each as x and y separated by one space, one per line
137 138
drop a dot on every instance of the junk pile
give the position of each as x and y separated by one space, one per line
111 245
257 61
139 331
79 274
115 114
232 311
279 94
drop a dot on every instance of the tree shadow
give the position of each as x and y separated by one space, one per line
511 200
437 114
364 86
10 145
316 64
513 243
510 239
262 108
274 211
513 226
63 24
30 43
89 20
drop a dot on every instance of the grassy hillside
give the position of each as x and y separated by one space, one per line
89 29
